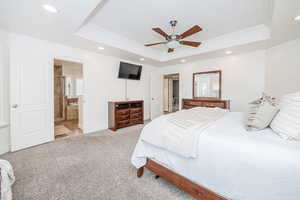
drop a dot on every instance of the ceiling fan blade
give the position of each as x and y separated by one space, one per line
190 43
191 31
170 50
148 45
161 32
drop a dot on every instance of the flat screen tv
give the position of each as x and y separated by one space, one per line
130 71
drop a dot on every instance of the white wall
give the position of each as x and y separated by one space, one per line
283 68
243 76
4 93
100 77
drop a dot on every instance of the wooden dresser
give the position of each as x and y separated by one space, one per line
125 113
191 103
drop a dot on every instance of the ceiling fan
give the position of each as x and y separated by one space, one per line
173 41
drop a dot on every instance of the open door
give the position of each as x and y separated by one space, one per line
30 103
156 94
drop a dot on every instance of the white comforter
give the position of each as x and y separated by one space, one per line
176 132
235 163
6 180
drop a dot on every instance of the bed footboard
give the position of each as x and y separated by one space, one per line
181 182
140 172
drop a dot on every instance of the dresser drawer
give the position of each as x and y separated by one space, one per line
123 123
122 112
135 115
122 117
136 121
214 104
193 103
188 107
135 110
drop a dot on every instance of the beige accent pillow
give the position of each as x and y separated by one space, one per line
287 122
261 113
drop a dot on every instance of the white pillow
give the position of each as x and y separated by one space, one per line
287 122
261 113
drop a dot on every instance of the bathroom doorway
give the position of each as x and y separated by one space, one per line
68 98
171 93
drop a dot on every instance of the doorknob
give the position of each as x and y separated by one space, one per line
15 105
152 99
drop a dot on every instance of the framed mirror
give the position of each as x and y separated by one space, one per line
207 84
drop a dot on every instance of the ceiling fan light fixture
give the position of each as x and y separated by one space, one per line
173 44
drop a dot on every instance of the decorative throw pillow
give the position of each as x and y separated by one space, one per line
261 113
287 122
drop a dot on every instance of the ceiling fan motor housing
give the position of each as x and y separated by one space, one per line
173 37
173 23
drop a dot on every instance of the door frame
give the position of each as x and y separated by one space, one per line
165 76
51 74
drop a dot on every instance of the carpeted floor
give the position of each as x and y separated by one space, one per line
90 167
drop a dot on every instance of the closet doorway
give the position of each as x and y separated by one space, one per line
171 93
68 98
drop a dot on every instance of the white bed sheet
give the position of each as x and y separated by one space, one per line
235 163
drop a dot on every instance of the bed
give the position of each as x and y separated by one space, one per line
231 163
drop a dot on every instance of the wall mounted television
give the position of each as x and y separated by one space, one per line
130 71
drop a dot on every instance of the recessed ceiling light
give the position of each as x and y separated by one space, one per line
297 18
50 8
228 52
183 60
142 59
101 48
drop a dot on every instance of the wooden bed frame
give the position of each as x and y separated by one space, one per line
197 191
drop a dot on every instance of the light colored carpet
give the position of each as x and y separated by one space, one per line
90 167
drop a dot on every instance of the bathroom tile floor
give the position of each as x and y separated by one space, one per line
69 124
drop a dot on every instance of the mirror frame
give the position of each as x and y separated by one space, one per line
220 84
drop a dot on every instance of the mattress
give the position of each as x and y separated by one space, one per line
235 163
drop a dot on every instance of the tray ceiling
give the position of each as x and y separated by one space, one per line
123 27
134 19
127 24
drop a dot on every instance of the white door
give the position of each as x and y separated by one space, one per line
31 116
156 95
